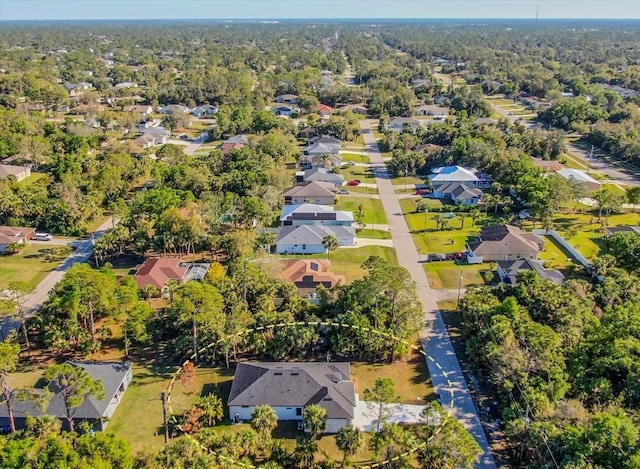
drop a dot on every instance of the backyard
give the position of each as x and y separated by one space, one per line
348 262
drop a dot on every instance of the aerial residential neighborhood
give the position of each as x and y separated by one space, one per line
359 242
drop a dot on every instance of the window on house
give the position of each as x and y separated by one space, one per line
298 410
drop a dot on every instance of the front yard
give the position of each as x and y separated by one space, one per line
32 265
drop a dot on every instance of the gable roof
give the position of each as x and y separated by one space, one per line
242 138
297 272
325 139
513 268
312 189
453 174
312 234
322 175
314 212
457 191
14 234
158 271
112 375
7 170
506 239
569 173
433 109
322 148
295 384
403 120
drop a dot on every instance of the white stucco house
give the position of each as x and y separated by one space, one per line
289 387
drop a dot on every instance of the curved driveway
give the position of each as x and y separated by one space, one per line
446 375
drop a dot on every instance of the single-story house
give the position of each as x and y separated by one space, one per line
398 124
227 148
322 145
508 271
174 109
320 175
145 141
468 176
459 193
290 387
307 239
283 111
307 132
125 84
591 184
431 110
18 172
548 165
314 214
241 138
287 98
323 160
15 234
322 193
324 110
142 109
158 271
204 110
504 243
115 377
355 108
308 275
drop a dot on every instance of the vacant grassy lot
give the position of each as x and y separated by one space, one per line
348 261
32 265
373 234
361 189
446 274
357 157
373 210
360 173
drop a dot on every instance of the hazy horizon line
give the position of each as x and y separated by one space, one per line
270 19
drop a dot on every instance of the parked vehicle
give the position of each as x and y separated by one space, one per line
353 183
460 255
344 191
436 257
43 237
351 163
422 191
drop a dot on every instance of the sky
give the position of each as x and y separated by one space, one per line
270 9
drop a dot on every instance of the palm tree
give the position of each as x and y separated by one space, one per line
438 218
14 248
212 408
475 214
488 199
264 419
315 420
349 440
149 291
330 243
360 216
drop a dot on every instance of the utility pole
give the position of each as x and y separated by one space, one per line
459 288
406 174
426 210
590 159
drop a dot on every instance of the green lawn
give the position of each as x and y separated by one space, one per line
362 189
373 234
357 172
33 178
446 274
399 182
348 262
346 157
32 265
555 256
614 188
373 210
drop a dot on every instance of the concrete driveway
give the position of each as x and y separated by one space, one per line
365 420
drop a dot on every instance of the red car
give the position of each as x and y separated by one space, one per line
421 191
353 183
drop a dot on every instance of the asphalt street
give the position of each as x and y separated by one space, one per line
444 368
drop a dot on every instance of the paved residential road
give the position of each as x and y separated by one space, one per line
446 375
82 252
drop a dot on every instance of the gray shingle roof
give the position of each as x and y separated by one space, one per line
112 375
513 268
295 385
